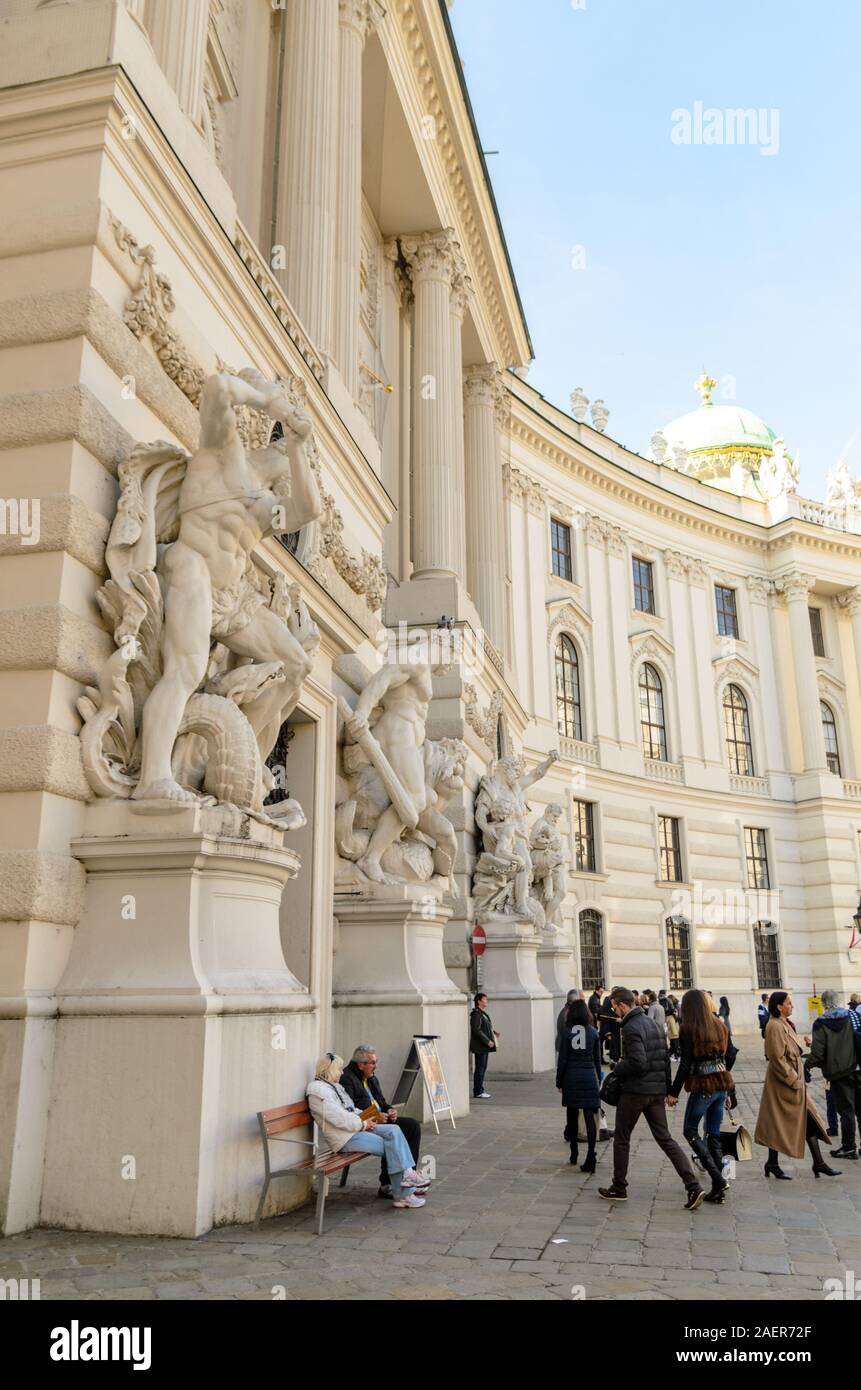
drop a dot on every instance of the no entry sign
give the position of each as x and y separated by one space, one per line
479 940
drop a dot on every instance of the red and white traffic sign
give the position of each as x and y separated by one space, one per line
479 940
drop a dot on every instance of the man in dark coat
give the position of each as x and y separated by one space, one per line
644 1075
482 1041
762 1014
563 1013
835 1046
359 1080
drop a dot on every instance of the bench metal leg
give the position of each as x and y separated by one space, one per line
261 1203
322 1194
343 1182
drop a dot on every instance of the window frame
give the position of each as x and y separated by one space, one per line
673 928
830 723
561 528
663 756
597 925
754 859
759 935
817 631
637 560
732 741
672 850
724 612
585 811
563 644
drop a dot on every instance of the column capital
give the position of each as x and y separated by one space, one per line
483 385
362 16
850 599
759 587
795 586
675 564
462 293
400 273
434 255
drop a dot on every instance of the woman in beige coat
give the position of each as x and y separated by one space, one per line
787 1116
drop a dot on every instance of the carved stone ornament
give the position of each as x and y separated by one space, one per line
759 587
549 865
394 783
795 586
850 599
486 724
504 873
209 659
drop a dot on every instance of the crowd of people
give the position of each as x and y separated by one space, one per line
617 1048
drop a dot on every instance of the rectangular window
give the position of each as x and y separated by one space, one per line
644 588
584 838
679 967
671 850
727 614
815 615
756 853
560 546
767 955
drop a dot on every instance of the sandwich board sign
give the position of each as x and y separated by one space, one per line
423 1059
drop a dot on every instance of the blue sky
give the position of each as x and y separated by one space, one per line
696 256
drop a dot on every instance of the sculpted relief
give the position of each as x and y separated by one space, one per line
209 659
395 783
520 872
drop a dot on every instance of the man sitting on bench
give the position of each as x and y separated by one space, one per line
360 1082
343 1128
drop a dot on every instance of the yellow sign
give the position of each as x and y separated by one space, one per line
814 1005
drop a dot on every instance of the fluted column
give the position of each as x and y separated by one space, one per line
796 588
307 195
760 590
850 599
461 293
690 711
485 408
437 507
178 35
619 588
357 18
701 598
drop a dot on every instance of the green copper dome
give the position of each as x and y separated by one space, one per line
713 428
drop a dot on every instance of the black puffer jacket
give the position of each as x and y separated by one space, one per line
644 1069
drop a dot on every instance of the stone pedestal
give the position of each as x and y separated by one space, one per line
520 1004
555 961
390 982
178 1020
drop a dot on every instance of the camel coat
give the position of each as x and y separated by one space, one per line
785 1104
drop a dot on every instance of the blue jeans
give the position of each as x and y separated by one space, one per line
703 1104
388 1140
479 1072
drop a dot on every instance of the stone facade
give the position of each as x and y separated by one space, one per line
299 191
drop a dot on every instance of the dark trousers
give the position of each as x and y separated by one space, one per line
847 1099
478 1075
572 1128
628 1112
831 1111
412 1131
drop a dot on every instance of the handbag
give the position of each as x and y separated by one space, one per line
736 1142
611 1089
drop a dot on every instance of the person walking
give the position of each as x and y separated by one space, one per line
836 1048
762 1013
608 1029
578 1079
594 1002
482 1041
563 1013
704 1073
787 1116
723 1012
644 1076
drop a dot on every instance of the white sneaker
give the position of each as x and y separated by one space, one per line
413 1179
409 1200
485 1095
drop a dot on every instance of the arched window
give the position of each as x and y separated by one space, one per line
736 723
652 723
592 971
829 729
568 713
679 953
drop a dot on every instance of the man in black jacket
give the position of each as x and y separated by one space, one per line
644 1075
359 1080
482 1041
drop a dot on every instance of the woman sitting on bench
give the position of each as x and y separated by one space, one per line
343 1129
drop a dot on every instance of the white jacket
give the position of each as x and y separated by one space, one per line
334 1112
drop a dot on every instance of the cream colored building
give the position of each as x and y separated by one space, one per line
197 185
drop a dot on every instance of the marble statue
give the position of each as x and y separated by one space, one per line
549 866
395 784
504 869
658 445
209 658
841 487
779 474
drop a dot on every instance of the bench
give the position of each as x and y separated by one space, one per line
274 1125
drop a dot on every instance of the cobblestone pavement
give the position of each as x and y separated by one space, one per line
504 1194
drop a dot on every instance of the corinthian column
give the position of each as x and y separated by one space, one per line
850 599
461 292
178 35
796 588
484 408
357 18
306 199
438 510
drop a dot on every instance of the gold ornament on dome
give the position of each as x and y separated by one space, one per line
705 385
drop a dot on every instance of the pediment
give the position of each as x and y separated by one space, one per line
648 643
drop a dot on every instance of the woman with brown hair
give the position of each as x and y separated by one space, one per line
787 1116
705 1075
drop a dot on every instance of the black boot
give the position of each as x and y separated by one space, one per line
773 1169
716 1151
820 1167
573 1158
706 1158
